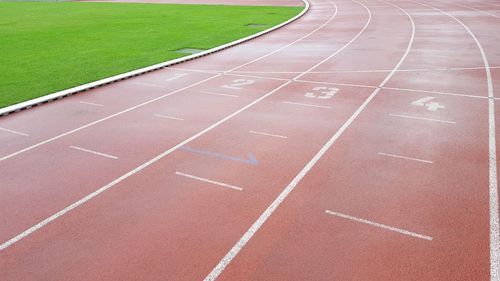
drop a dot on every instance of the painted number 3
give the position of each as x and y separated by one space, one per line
322 93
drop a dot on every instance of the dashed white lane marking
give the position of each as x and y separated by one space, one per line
91 103
218 94
422 118
147 84
93 152
104 119
102 189
169 117
268 134
233 252
379 225
307 104
492 145
404 157
209 181
13 132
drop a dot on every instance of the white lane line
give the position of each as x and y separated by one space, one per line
493 182
103 119
422 118
343 47
290 44
91 103
209 181
404 157
226 260
147 84
13 132
307 104
169 117
366 70
218 94
379 225
268 134
93 152
133 172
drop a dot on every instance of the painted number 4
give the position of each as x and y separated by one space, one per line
322 93
431 106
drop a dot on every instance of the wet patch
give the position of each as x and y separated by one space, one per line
189 51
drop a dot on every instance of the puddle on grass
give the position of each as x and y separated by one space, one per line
189 51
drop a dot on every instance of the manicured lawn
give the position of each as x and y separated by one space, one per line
47 47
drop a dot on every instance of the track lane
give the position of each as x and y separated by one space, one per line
197 222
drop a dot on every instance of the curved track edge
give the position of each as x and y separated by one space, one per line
105 81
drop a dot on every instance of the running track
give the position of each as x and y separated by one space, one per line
357 143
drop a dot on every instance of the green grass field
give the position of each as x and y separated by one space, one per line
48 47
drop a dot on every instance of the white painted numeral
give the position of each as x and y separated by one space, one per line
431 106
176 76
238 83
324 93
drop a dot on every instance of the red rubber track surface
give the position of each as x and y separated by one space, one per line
356 143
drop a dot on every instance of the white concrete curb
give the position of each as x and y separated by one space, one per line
68 92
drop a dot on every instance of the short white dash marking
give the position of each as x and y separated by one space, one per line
267 134
13 132
404 157
168 117
307 104
422 118
94 152
209 181
91 103
147 84
383 226
219 94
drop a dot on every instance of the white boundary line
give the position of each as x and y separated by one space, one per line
219 94
168 117
493 184
131 173
217 270
268 134
209 181
93 152
105 81
404 157
379 225
91 103
421 118
13 132
307 104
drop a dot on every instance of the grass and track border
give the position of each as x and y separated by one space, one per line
106 81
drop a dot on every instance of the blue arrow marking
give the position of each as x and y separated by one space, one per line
249 160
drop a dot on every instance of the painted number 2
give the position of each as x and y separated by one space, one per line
238 84
322 93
